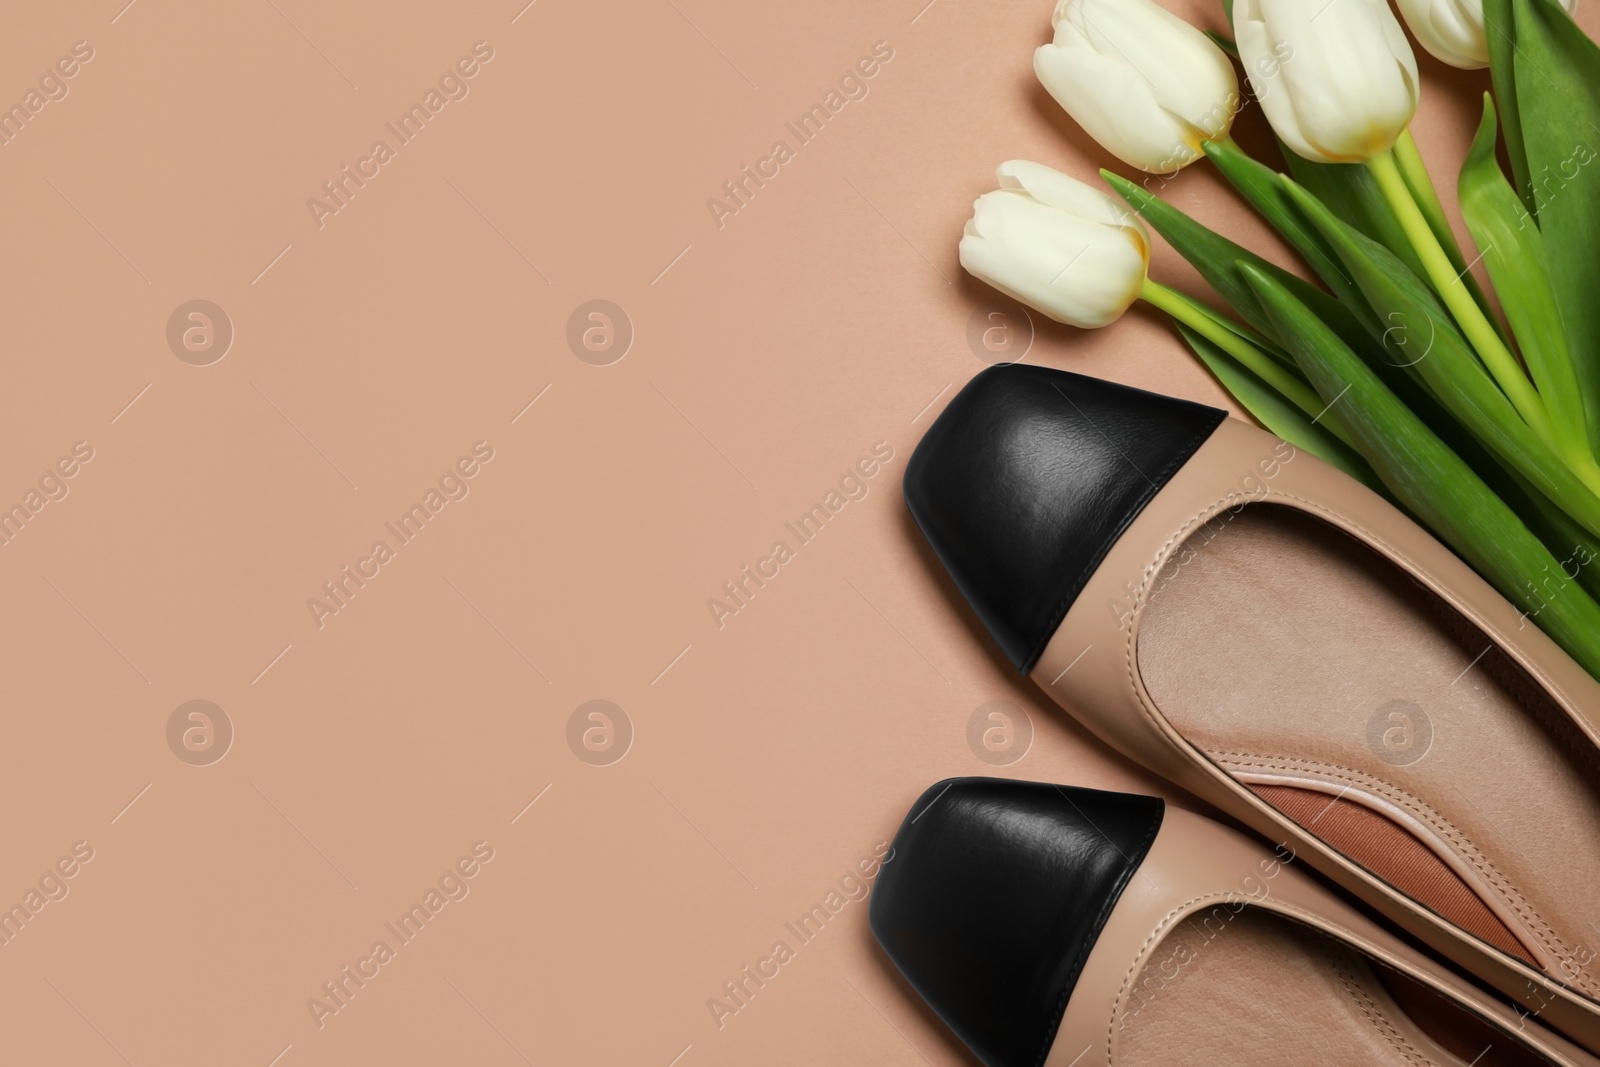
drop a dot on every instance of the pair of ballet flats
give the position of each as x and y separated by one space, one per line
1415 765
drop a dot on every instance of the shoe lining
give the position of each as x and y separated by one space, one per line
1396 856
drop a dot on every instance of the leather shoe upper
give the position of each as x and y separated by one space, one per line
1027 479
993 895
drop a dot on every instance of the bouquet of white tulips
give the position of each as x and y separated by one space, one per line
1479 417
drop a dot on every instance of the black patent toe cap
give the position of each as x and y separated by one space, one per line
1027 479
993 895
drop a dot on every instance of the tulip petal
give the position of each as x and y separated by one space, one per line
1116 107
1186 73
1452 30
1082 272
1349 86
1262 57
1337 79
1049 186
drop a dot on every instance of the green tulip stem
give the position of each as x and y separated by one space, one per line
1426 196
1447 280
1409 159
1263 366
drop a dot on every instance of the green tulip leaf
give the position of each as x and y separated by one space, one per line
1272 410
1258 184
1501 32
1214 257
1514 253
1351 193
1225 43
1557 100
1265 344
1565 539
1422 336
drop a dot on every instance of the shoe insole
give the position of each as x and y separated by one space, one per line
1251 989
1329 681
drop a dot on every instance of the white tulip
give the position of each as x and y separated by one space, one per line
1057 245
1336 78
1143 82
1453 29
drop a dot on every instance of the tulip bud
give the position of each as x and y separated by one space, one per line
1337 80
1453 29
1144 83
1057 245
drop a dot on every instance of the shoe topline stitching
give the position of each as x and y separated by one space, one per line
1552 942
1368 1006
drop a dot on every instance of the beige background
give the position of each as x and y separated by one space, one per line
768 756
